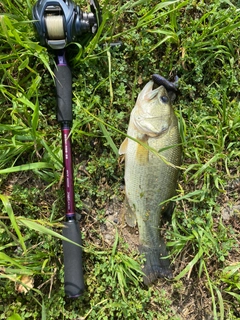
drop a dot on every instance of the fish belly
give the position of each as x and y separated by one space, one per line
147 184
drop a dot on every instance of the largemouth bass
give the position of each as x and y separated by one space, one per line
151 174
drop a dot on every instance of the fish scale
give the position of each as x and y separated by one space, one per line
149 180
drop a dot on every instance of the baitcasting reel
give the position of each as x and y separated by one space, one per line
60 22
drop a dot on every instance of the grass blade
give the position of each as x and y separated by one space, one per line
29 166
190 265
37 226
108 138
8 208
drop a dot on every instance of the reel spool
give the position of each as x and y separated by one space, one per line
55 27
60 22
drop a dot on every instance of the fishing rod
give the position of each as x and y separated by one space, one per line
58 23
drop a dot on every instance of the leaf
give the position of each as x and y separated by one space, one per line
235 295
109 138
220 302
34 87
189 196
188 268
156 8
58 162
25 285
29 166
214 159
8 208
31 224
110 76
122 282
5 259
24 64
26 102
44 312
14 316
151 15
35 117
114 248
229 271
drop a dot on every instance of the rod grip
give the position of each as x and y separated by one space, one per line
63 82
72 256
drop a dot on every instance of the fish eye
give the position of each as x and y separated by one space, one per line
164 99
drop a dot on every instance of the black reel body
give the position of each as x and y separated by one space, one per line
60 22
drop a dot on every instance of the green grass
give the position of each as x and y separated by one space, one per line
198 41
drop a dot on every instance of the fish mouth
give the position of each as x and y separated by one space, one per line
149 92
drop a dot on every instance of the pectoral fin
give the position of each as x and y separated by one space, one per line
129 214
142 153
123 147
167 211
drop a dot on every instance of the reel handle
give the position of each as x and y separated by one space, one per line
63 82
72 256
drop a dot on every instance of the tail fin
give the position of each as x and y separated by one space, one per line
157 265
